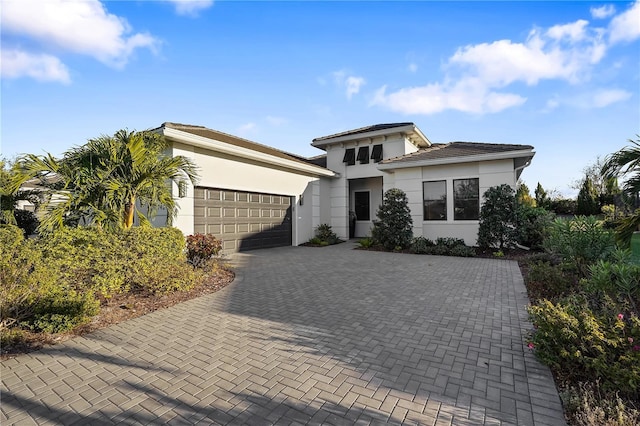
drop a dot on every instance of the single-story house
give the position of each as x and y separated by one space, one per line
252 195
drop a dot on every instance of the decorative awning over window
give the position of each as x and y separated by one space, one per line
363 154
349 156
376 154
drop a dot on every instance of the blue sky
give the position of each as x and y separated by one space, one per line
561 76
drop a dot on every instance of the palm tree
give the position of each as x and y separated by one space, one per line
107 180
9 196
626 163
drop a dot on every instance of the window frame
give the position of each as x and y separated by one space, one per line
465 203
355 205
440 200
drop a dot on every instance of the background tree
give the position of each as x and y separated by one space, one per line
542 198
9 198
394 227
105 181
523 195
625 163
498 218
588 201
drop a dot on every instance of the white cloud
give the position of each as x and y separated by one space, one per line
350 83
626 26
413 67
83 27
191 7
602 12
476 75
605 98
41 67
465 96
247 128
575 31
353 85
276 121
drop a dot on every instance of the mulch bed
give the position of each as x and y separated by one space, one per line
119 308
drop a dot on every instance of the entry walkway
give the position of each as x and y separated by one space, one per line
306 336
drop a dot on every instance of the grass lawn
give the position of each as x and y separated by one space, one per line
635 246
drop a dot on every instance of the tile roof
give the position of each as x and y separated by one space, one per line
456 149
365 129
234 140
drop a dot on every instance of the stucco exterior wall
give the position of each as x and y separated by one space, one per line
223 171
489 173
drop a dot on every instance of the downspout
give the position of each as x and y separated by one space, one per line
517 169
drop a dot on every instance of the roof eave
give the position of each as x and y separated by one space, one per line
455 160
420 141
223 147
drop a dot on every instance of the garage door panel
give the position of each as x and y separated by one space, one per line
243 220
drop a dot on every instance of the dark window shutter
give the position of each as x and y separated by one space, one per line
349 157
376 154
363 154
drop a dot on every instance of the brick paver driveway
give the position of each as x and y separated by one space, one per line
306 336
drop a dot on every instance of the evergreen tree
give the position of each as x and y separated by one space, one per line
498 218
542 198
523 196
394 227
588 202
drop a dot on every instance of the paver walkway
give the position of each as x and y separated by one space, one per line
306 336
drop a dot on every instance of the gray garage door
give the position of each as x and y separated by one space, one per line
243 220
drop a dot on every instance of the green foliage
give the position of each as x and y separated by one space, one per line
580 242
563 206
617 278
26 220
393 229
202 247
33 292
542 198
324 236
588 202
365 242
582 343
533 224
523 196
442 247
105 181
421 245
498 218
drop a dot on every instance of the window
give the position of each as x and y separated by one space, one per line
434 195
362 208
363 154
376 154
466 199
350 157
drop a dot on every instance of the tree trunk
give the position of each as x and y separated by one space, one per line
128 213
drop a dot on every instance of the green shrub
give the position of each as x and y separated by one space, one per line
88 259
393 229
581 344
421 245
365 242
498 218
33 291
462 251
449 242
533 224
324 236
166 277
618 278
580 242
202 247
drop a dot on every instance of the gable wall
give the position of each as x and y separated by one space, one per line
223 171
